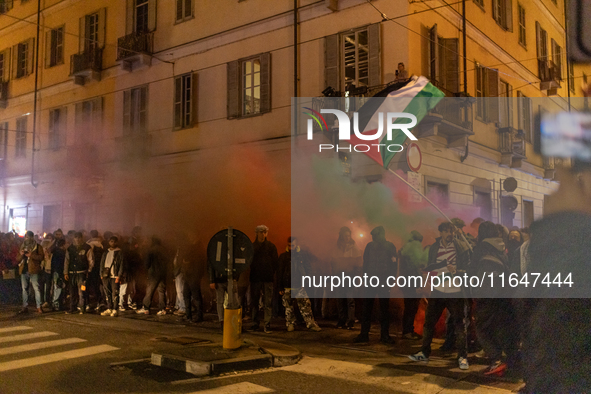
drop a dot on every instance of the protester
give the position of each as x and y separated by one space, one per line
346 260
413 258
262 273
514 243
444 259
157 266
111 270
79 261
94 284
31 256
192 271
297 261
46 282
58 258
380 260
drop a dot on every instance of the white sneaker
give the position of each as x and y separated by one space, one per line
106 312
143 311
463 363
122 309
114 313
420 356
162 312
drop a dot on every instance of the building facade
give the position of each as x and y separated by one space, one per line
116 113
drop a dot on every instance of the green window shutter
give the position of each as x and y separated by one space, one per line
375 69
331 62
233 90
265 82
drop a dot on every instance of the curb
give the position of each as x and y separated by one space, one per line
283 355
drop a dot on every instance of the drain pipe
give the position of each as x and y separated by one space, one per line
33 182
462 158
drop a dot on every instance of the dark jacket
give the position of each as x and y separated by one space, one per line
380 256
264 262
77 259
116 267
157 260
191 262
489 258
58 259
556 340
294 263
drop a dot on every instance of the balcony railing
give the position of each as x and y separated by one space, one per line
86 61
134 44
511 146
3 94
550 74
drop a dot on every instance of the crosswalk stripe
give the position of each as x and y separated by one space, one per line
24 337
17 328
39 345
50 358
242 388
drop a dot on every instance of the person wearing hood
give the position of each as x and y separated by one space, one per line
412 259
111 269
346 260
30 257
446 257
495 318
380 260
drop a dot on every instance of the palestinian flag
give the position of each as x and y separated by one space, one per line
417 97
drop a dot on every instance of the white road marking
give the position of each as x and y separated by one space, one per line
39 345
238 388
24 337
17 328
50 358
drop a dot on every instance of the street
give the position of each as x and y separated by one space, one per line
58 353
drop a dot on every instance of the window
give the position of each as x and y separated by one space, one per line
57 128
184 10
4 59
23 58
505 104
3 140
480 3
524 116
353 58
135 110
487 92
141 16
541 43
21 137
92 32
557 58
521 14
249 86
483 201
528 213
503 14
88 121
5 6
55 47
444 61
437 191
183 101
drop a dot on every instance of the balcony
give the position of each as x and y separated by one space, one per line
550 76
512 147
3 94
135 50
549 168
86 66
452 119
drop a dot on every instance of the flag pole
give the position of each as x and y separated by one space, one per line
432 203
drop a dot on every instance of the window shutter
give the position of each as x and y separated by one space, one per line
30 56
126 112
451 62
433 54
48 51
233 88
530 116
82 33
178 102
188 8
15 61
79 123
194 97
129 17
508 15
179 10
102 23
510 105
492 79
331 62
495 9
6 66
265 82
538 40
375 72
151 15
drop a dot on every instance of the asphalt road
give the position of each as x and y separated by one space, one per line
58 353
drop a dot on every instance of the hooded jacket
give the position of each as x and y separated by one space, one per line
379 257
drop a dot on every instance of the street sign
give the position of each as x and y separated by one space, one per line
217 251
414 157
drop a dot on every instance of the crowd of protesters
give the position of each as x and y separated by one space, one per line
110 273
